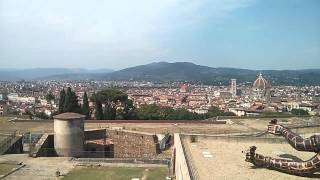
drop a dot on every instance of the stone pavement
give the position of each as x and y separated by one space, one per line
41 168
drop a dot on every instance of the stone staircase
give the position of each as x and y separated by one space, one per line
34 148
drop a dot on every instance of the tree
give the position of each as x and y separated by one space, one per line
182 114
109 112
29 113
128 110
71 102
50 97
299 112
155 112
85 106
98 113
67 103
62 101
215 111
164 112
41 115
116 103
148 112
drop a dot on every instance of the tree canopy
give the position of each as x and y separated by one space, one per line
85 106
49 97
61 101
68 102
155 112
116 104
299 112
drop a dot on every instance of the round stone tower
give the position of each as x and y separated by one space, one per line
69 134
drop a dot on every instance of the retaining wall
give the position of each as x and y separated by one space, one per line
181 166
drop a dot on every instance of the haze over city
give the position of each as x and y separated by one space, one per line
251 34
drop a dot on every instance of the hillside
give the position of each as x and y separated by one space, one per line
184 71
164 71
48 73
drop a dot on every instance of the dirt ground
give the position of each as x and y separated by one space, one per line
236 126
228 161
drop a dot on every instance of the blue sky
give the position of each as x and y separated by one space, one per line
253 34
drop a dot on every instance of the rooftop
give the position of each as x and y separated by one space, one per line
69 115
223 158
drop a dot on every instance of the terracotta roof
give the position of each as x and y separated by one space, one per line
69 115
100 141
260 82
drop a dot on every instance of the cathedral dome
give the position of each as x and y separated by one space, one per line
260 83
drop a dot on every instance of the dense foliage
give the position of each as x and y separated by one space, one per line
68 102
112 104
85 106
49 97
61 101
299 112
71 102
155 112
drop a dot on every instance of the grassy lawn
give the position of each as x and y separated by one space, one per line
5 168
116 173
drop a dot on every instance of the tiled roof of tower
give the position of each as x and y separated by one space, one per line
69 115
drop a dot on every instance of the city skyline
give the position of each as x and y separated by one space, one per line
249 34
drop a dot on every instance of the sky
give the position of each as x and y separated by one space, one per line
250 34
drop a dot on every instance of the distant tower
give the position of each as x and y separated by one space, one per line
233 87
298 96
184 88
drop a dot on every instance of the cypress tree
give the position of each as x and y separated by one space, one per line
109 112
74 104
71 102
85 106
99 113
62 101
67 102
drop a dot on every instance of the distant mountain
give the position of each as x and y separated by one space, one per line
185 71
179 71
42 73
74 76
164 71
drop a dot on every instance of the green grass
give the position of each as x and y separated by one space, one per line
5 168
116 173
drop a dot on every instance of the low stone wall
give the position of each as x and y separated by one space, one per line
274 140
119 160
180 164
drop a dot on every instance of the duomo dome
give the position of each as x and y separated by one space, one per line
260 83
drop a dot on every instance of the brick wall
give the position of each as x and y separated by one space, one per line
133 144
120 144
